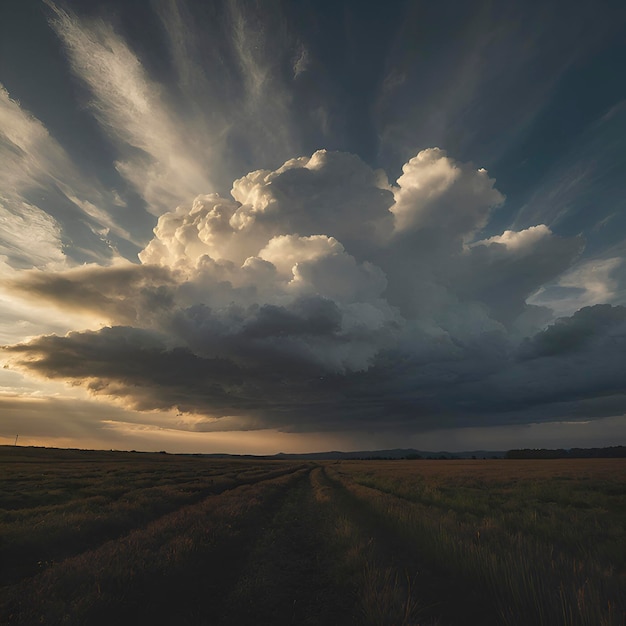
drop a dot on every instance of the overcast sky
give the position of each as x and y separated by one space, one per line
262 226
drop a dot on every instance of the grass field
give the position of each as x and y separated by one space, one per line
134 538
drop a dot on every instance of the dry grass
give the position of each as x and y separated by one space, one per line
101 538
515 535
90 538
52 508
383 592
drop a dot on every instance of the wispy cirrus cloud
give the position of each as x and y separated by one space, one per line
231 111
43 191
592 281
242 98
159 155
583 187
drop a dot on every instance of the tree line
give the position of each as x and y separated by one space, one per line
612 452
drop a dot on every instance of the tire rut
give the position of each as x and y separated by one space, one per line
286 579
449 600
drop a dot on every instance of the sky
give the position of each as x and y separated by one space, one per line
253 227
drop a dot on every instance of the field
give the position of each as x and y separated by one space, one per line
134 538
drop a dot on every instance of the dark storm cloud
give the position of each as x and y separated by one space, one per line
455 385
591 328
580 359
139 367
312 292
242 308
504 271
125 293
129 362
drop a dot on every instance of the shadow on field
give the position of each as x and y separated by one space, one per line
436 596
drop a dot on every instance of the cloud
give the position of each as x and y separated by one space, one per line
326 193
44 196
571 334
592 281
174 143
119 292
271 383
482 93
576 365
233 104
302 62
21 223
504 271
321 297
436 193
159 153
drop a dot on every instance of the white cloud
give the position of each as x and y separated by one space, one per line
518 241
324 194
166 170
593 281
29 154
596 278
437 193
243 106
317 292
36 175
285 252
20 225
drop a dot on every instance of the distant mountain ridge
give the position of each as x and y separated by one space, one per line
392 454
412 453
395 453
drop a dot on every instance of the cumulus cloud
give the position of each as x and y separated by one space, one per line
505 270
324 194
437 193
319 296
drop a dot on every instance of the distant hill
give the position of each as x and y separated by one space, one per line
396 453
393 454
